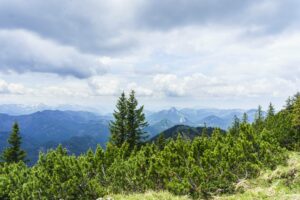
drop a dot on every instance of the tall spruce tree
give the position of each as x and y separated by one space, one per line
161 141
204 132
235 127
270 119
296 114
288 105
271 111
258 123
14 153
118 128
245 118
136 122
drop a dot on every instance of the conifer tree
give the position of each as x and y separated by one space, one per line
234 130
270 119
204 131
259 120
288 105
136 122
14 153
161 141
118 128
245 118
271 111
296 114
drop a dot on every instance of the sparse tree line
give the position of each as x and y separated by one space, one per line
201 167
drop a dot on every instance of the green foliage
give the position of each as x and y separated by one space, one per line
14 153
129 123
161 141
13 177
296 113
234 129
285 124
245 118
118 127
258 123
136 122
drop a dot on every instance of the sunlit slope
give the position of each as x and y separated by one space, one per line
282 183
148 196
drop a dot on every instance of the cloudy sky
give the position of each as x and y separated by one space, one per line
196 53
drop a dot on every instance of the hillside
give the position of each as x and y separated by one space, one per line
282 183
148 196
40 131
185 131
57 125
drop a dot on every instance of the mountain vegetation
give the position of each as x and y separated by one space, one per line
47 129
14 153
207 165
278 184
185 131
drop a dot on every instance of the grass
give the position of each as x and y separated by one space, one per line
148 196
280 184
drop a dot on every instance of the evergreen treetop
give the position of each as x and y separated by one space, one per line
136 122
118 128
296 113
129 123
14 153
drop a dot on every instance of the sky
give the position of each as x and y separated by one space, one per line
196 53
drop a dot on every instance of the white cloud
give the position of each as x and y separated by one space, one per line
105 86
11 88
140 90
201 86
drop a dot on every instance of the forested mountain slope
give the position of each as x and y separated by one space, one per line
184 131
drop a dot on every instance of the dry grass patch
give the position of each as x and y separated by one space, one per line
149 196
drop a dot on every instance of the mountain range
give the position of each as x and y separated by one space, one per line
221 118
81 130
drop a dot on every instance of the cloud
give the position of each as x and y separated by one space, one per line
11 88
23 51
201 86
94 26
110 27
169 84
105 86
114 86
271 15
194 49
141 91
168 14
